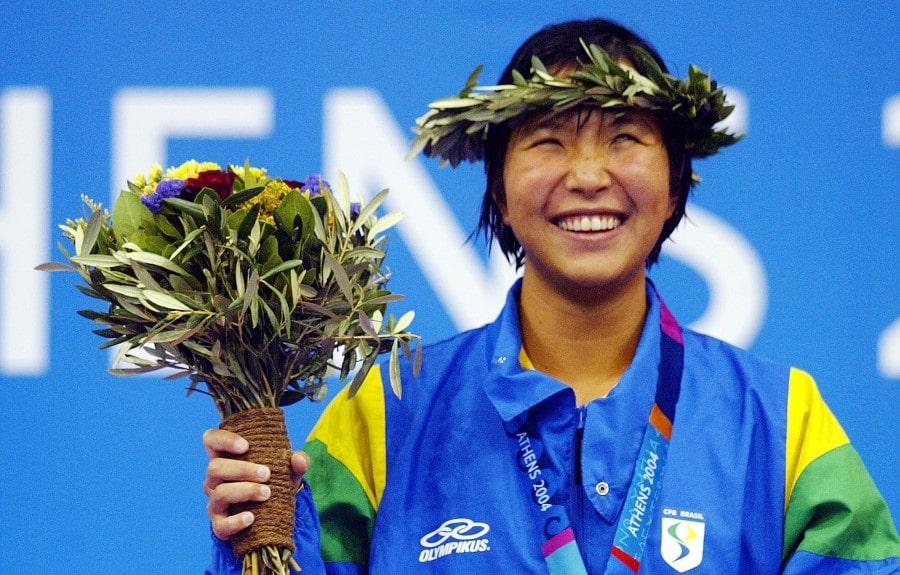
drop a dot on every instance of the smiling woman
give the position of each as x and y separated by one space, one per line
586 196
584 431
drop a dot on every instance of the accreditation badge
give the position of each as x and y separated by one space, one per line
682 543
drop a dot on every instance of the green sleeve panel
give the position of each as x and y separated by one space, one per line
835 510
345 514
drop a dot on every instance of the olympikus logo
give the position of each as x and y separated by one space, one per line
459 535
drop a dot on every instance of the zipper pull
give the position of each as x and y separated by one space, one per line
582 413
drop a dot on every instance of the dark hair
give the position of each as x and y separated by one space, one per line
558 46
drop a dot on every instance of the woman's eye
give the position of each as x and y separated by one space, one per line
625 137
546 142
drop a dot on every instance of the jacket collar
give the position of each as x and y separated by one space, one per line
514 390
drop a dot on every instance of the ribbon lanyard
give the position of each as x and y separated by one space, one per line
560 550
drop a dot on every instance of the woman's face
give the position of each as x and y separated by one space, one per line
587 194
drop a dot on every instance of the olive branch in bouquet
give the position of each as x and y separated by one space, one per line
253 310
255 288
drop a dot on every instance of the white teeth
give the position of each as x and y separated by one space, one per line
594 223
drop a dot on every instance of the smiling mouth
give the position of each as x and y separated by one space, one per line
595 223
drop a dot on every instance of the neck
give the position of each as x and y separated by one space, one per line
585 339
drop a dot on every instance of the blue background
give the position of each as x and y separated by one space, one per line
103 474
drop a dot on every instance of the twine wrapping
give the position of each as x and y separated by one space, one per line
264 430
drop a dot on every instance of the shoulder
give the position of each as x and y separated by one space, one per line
711 359
464 352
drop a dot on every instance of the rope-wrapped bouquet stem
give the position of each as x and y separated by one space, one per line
253 287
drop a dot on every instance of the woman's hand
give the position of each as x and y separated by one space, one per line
231 481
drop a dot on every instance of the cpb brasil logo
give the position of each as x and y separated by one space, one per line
682 539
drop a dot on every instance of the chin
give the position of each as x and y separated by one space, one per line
590 287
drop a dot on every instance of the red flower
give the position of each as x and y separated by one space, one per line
218 180
293 184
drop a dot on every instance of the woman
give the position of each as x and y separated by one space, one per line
583 431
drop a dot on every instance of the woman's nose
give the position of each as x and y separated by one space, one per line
588 171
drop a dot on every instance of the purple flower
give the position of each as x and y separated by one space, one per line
355 207
313 185
165 189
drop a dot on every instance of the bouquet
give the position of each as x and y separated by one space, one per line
253 287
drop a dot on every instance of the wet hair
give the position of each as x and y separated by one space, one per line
558 47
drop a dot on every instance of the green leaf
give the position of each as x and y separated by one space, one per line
187 241
385 222
290 398
157 260
250 293
126 290
120 353
167 336
97 261
343 189
92 230
247 224
289 208
166 227
384 299
453 102
134 370
340 276
290 264
186 207
472 80
394 370
127 213
361 374
404 321
143 276
365 253
369 209
242 196
164 300
366 324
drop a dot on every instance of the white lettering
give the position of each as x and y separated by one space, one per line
890 122
731 268
889 351
24 229
889 340
363 140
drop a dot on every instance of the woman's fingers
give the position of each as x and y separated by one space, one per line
299 465
222 470
220 441
226 526
227 494
229 481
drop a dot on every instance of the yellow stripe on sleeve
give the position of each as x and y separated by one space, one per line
812 429
353 431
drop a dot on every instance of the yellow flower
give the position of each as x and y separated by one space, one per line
155 173
258 173
147 183
269 200
190 169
